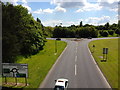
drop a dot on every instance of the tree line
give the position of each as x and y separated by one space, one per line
21 34
84 31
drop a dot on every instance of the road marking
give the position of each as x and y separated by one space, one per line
75 69
99 68
75 58
77 44
76 49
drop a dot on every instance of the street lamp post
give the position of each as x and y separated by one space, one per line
56 42
55 46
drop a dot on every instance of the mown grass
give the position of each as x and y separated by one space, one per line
109 68
0 81
40 64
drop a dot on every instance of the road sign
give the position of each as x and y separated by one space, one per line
15 70
105 50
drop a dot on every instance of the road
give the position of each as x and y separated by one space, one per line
78 66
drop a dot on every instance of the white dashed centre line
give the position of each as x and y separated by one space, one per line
75 69
75 58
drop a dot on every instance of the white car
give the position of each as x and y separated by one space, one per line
61 84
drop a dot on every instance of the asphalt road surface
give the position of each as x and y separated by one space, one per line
78 66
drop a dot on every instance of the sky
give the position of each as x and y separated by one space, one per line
72 12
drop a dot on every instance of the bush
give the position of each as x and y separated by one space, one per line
111 32
117 31
105 34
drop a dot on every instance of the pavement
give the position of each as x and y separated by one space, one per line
78 66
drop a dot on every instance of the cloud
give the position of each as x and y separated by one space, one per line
48 10
108 1
69 23
24 1
97 20
42 11
26 6
60 9
52 22
111 5
90 20
57 22
89 7
14 2
69 3
39 11
101 20
114 9
84 5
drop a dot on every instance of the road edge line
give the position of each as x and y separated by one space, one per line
41 85
99 68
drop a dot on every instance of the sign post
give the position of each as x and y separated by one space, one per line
5 80
25 81
93 48
15 81
15 71
55 46
105 53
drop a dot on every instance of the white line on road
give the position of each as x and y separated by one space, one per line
76 49
75 69
75 58
77 44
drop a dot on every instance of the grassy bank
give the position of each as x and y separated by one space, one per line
109 68
40 64
0 81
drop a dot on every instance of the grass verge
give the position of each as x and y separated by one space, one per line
39 64
109 68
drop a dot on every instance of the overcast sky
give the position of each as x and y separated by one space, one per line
69 12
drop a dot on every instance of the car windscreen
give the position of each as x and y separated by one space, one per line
59 88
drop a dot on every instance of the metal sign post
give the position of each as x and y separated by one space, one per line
105 53
25 81
15 81
93 48
5 80
55 46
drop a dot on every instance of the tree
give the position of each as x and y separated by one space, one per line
38 20
86 32
111 32
101 32
118 23
22 35
107 26
81 24
48 31
105 34
117 31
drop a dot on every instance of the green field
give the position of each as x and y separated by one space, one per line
40 64
109 68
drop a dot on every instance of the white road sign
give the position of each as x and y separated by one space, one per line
14 70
